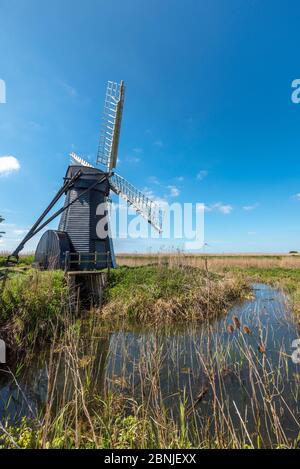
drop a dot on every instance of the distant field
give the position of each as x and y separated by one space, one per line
25 259
210 261
214 261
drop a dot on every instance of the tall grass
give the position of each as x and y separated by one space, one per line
213 261
279 270
93 402
25 259
31 304
219 386
161 294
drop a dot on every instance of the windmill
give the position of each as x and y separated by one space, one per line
77 244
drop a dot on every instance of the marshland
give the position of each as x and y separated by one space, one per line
185 352
149 226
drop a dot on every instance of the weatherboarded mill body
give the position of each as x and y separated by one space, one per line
78 242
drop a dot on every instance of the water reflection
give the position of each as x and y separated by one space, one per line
228 368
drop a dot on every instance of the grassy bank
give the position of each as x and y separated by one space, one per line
118 424
25 260
34 305
161 294
286 278
282 271
90 404
94 403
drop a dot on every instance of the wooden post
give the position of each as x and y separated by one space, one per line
108 263
67 259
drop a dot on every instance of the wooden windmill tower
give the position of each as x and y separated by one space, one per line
77 244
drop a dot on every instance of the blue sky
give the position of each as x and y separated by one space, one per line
208 114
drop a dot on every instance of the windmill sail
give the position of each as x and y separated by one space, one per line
80 242
146 207
110 130
78 160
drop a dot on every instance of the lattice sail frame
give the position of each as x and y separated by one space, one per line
146 207
110 129
78 160
107 156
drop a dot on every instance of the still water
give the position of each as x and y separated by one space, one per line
238 368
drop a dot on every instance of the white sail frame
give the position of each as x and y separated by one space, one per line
146 207
111 126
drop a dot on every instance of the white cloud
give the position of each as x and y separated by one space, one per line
151 194
70 90
202 174
153 180
138 150
174 191
132 159
8 164
180 178
226 209
32 125
14 234
148 192
7 210
251 233
158 143
296 196
20 232
248 208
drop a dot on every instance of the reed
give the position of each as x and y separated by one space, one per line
164 294
93 401
213 261
32 302
213 384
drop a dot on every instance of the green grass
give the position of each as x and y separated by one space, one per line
115 429
31 305
24 260
154 281
157 294
35 304
287 279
